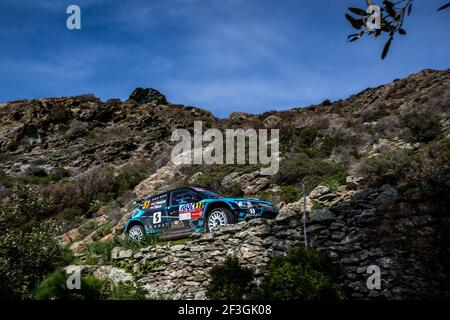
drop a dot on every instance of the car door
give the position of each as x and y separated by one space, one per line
155 218
181 199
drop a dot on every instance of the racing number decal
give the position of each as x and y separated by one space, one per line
157 217
146 204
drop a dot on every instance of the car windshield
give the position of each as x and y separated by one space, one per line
208 194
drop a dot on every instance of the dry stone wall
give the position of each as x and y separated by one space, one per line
369 229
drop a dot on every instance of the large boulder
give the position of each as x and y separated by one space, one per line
148 95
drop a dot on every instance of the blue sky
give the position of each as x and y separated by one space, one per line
221 55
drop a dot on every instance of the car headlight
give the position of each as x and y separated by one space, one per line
244 204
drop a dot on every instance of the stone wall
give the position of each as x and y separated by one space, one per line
374 227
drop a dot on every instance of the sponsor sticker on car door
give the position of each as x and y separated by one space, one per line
191 211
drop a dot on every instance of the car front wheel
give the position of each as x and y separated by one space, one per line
218 217
136 232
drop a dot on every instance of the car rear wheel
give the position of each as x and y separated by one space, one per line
218 217
136 232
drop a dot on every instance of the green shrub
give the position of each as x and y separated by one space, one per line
38 175
424 126
6 180
304 274
54 287
27 256
206 181
95 183
99 250
127 292
229 281
301 168
436 156
335 181
287 194
27 205
128 177
68 200
148 266
392 167
127 243
86 228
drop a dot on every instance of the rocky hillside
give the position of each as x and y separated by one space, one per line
376 167
368 228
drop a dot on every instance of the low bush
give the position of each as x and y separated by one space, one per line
7 180
304 274
335 181
68 199
27 256
436 157
54 287
229 281
37 175
424 126
26 206
301 168
127 292
95 183
286 194
128 177
392 167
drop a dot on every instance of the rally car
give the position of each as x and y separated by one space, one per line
182 211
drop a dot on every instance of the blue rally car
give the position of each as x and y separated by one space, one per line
182 211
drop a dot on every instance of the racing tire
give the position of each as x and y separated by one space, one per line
136 232
219 217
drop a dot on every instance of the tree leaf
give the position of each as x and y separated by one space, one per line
356 23
386 48
410 8
355 36
401 31
445 6
358 11
388 3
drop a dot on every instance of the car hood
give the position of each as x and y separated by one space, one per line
245 199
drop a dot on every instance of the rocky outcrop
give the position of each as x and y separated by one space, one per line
82 131
149 95
250 183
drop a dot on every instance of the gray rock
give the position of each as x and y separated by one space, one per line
388 193
114 275
124 254
321 215
319 191
195 176
354 182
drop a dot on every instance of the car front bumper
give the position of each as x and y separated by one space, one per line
258 211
